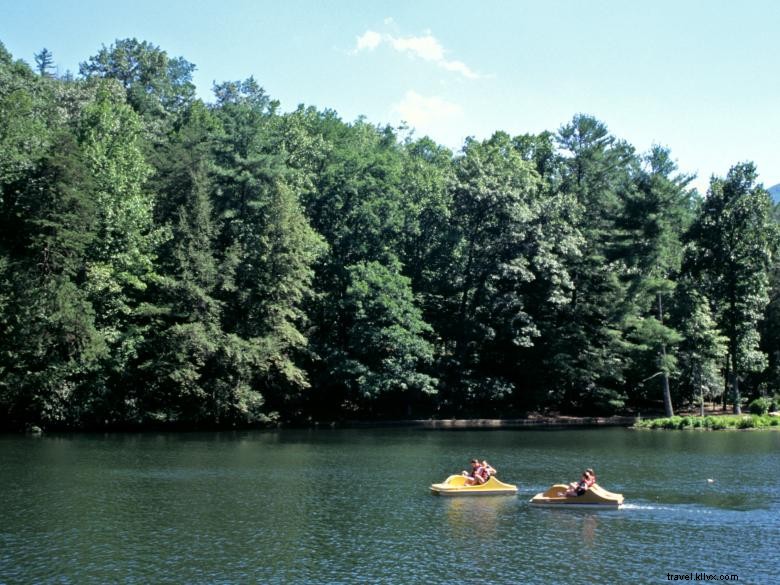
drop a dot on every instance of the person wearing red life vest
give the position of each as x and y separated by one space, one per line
477 475
584 484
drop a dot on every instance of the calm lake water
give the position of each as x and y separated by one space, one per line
353 506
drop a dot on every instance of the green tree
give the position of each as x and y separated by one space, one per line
587 356
48 342
386 341
265 245
357 204
770 327
426 199
495 210
120 262
735 239
44 62
26 112
51 345
155 83
557 248
656 216
178 354
702 350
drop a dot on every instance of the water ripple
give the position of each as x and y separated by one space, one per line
354 507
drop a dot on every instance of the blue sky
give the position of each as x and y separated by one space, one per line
699 76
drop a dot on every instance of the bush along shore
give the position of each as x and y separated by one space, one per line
713 423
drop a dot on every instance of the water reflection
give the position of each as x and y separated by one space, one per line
589 525
477 515
578 525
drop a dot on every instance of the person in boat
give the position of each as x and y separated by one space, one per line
583 485
489 470
478 474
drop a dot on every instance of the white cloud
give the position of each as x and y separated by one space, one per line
432 116
369 40
460 67
426 47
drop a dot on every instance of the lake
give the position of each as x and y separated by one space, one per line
353 506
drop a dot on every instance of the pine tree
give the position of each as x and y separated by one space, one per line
734 241
656 216
52 344
266 248
44 62
587 357
177 356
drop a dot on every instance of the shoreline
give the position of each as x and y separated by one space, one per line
533 422
551 422
685 422
725 422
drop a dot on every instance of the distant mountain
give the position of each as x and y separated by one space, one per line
775 193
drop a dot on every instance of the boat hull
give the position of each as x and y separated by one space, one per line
455 485
595 497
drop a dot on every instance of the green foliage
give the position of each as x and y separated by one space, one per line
759 406
386 341
736 240
715 423
746 422
44 62
511 241
658 210
265 244
25 120
169 262
120 262
703 348
494 212
586 349
155 83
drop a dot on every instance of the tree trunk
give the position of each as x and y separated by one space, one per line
667 394
701 396
735 388
668 410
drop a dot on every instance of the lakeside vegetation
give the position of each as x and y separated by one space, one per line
712 422
166 261
763 414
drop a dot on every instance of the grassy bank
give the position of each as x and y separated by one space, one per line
714 423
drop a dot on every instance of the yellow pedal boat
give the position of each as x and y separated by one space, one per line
595 497
455 485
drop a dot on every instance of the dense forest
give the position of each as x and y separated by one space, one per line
165 261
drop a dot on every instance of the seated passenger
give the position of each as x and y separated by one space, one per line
489 470
477 474
582 486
